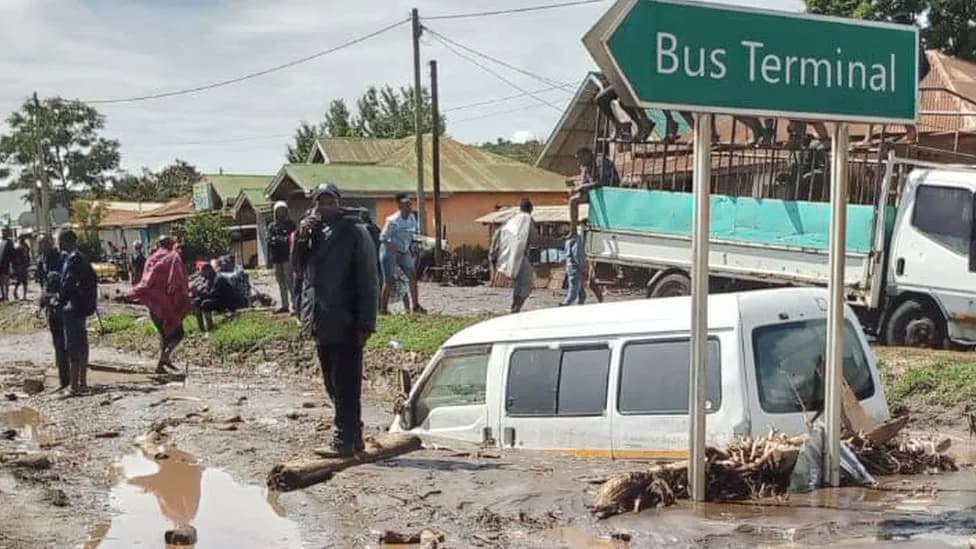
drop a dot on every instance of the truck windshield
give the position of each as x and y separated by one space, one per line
790 364
945 215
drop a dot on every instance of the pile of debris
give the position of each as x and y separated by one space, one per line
751 468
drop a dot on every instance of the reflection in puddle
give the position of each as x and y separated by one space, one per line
27 422
157 489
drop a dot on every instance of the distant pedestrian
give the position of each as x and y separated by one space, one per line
396 250
137 263
78 297
6 262
510 253
165 290
21 265
339 306
48 276
279 254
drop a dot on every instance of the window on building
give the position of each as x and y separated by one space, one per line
558 382
654 377
790 364
945 215
458 380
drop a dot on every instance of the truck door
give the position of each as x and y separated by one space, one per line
555 398
932 254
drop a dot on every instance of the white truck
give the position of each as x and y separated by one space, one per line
910 263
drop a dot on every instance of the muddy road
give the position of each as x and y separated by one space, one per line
116 478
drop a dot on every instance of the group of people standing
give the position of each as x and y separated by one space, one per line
15 258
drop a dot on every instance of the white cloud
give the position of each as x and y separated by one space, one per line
521 136
104 48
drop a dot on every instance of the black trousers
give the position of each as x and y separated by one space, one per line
342 372
56 326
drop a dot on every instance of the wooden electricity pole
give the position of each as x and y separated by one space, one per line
40 174
418 117
436 167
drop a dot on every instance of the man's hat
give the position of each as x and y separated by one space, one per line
325 188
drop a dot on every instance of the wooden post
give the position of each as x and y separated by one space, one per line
436 167
418 119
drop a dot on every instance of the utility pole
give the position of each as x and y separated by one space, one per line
435 142
418 118
40 174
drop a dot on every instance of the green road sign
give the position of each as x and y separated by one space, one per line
710 58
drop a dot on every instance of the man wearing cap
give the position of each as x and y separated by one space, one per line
279 252
396 238
340 297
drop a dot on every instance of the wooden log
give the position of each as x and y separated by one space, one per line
302 473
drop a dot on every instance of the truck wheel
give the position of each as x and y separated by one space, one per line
913 324
672 285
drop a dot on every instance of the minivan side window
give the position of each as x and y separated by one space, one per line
790 363
571 381
945 214
654 377
458 380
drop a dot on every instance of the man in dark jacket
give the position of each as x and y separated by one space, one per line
48 276
78 298
279 254
137 263
6 262
340 302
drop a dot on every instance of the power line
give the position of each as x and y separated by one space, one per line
212 142
502 99
515 10
492 114
496 74
530 74
256 74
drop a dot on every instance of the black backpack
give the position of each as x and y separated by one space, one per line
88 290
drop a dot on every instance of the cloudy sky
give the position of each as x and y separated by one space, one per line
104 49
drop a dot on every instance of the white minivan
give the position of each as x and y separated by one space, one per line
611 380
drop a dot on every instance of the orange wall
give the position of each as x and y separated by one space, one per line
460 210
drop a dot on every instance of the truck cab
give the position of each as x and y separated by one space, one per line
931 275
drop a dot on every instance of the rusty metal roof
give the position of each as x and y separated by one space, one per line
352 150
540 214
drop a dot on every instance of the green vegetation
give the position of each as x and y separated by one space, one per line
423 334
942 383
245 331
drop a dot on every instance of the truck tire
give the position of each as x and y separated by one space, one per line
914 324
671 285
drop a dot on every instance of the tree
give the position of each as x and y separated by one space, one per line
206 233
380 113
949 25
66 136
305 137
87 215
526 152
171 182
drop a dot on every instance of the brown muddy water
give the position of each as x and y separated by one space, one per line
157 488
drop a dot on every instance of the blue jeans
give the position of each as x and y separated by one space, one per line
388 260
575 293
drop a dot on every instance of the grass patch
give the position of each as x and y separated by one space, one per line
419 333
941 383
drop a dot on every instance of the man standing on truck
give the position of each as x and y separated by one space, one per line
397 239
339 306
510 247
279 254
596 170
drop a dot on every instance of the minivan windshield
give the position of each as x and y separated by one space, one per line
790 365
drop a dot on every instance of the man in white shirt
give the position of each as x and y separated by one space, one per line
396 238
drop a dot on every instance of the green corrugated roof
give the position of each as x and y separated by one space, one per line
228 186
356 179
357 150
256 197
467 168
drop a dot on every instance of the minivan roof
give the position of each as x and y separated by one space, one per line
957 175
639 316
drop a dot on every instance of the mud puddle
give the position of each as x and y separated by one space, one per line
25 425
158 488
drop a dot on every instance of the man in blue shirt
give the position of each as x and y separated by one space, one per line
397 238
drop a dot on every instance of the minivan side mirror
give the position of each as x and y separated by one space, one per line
406 410
406 384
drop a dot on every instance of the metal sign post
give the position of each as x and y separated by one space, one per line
833 378
699 306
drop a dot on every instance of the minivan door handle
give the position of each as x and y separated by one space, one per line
900 266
